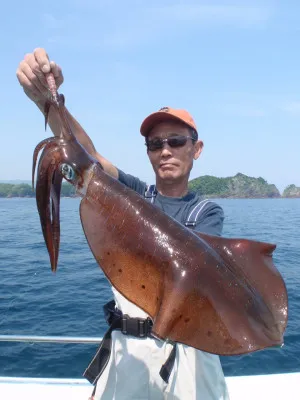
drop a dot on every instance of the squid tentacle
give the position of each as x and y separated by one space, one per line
46 197
55 201
38 148
56 151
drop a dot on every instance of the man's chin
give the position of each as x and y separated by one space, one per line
168 175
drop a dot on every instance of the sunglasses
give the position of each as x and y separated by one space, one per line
173 141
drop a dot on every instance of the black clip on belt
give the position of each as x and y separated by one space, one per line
136 327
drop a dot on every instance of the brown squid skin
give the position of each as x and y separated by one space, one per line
223 296
219 295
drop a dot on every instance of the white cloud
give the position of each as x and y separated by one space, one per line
210 12
292 107
241 110
236 15
53 23
122 25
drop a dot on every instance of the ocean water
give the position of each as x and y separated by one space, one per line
34 301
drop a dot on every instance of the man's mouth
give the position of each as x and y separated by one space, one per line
167 165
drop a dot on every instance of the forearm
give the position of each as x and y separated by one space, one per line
81 136
79 132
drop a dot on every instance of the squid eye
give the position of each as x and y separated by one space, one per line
67 171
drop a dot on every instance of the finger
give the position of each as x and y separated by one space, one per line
55 69
35 97
42 59
33 64
33 79
28 87
57 72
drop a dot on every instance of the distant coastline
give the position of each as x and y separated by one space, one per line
239 186
11 190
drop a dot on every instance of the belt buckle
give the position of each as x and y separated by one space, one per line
142 328
145 326
124 324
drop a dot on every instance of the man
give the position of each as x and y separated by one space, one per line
144 367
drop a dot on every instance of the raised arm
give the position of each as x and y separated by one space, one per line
31 75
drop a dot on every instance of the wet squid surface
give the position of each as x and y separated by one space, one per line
219 295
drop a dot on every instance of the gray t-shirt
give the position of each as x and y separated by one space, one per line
210 215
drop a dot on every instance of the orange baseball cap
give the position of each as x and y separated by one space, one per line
167 114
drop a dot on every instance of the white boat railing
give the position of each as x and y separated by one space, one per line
258 387
50 339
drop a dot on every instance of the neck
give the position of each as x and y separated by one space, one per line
172 189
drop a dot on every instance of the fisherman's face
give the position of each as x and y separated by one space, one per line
173 163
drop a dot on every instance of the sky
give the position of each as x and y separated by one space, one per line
233 65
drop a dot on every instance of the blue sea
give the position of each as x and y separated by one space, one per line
34 301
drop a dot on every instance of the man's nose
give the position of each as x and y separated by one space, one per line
166 149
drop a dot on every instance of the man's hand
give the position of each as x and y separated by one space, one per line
31 75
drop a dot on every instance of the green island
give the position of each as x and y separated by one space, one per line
291 191
239 186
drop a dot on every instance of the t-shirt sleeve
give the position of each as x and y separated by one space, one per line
132 182
211 219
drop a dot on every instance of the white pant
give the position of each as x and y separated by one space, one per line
132 372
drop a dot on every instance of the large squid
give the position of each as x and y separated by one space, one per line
219 295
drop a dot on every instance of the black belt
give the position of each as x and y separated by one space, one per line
136 327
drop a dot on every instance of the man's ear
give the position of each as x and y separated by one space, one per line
198 147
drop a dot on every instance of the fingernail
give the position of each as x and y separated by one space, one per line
45 68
